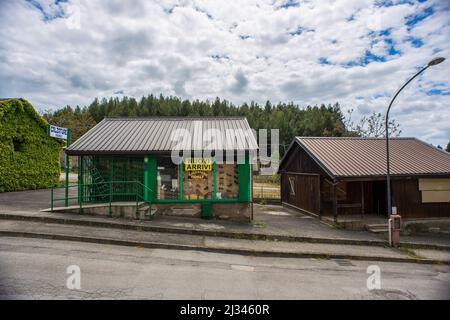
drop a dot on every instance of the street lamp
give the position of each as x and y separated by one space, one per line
433 62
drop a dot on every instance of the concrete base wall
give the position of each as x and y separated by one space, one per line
193 210
235 211
225 211
126 211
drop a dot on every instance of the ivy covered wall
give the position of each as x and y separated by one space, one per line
29 157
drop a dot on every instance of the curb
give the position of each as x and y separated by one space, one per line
213 233
257 253
210 233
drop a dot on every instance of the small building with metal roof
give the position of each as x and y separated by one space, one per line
197 166
337 176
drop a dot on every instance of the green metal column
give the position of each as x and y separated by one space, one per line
244 180
111 177
80 182
146 179
214 180
181 180
150 173
66 193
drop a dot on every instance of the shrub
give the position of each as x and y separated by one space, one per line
29 157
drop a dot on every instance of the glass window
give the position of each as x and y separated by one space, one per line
167 180
227 181
198 179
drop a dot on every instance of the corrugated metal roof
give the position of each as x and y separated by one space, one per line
360 157
143 135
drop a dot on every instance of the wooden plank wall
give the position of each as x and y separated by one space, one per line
407 198
306 191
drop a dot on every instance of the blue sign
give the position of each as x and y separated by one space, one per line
58 132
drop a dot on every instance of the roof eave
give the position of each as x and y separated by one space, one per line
304 147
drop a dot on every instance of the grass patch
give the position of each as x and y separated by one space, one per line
409 252
259 224
339 226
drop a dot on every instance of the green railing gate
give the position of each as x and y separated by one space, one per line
107 180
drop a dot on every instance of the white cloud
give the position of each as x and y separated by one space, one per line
239 50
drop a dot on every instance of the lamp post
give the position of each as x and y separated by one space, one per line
388 175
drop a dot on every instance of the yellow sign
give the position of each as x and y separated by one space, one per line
197 164
197 175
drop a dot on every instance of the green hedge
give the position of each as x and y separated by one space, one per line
29 158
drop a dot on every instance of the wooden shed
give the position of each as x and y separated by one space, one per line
330 176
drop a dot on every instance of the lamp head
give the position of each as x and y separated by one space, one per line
435 61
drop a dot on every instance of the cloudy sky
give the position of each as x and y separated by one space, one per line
355 52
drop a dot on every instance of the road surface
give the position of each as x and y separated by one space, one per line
37 269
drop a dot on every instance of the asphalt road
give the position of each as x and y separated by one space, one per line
37 269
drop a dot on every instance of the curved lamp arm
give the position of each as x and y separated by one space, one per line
388 175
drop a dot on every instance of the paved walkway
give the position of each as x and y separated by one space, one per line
73 177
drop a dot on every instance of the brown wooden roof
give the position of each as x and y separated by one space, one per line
366 157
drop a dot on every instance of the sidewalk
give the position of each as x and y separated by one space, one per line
273 224
39 230
266 227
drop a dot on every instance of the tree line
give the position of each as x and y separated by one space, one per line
290 118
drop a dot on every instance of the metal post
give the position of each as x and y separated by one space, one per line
137 213
251 188
214 180
110 163
110 199
146 178
388 169
66 194
333 192
181 186
81 183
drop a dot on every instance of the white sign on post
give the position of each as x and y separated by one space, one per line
58 132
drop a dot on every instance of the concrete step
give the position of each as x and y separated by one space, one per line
145 209
377 227
378 230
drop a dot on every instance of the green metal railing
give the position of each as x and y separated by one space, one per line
105 192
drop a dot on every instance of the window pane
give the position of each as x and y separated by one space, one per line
227 181
198 185
167 179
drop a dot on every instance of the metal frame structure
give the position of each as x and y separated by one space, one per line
100 184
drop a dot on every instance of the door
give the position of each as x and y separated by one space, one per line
379 198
